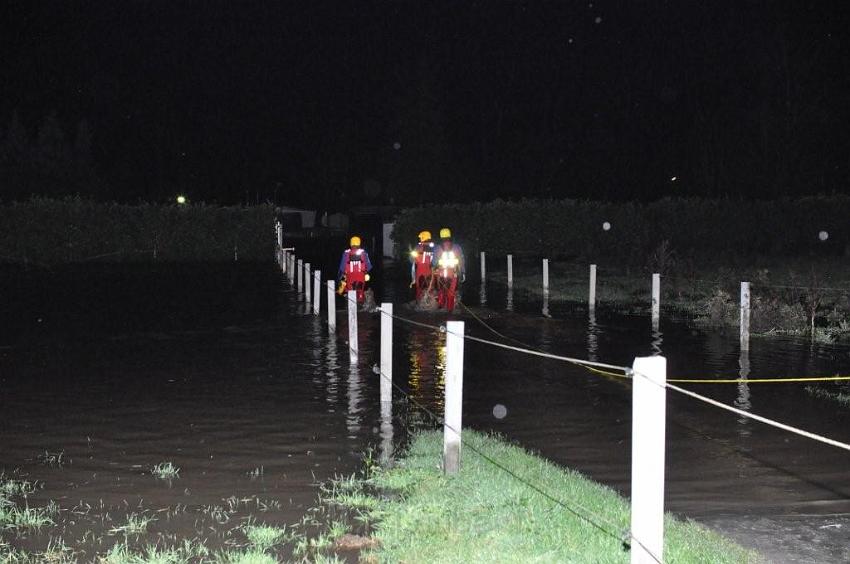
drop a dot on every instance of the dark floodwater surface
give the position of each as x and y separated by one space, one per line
223 371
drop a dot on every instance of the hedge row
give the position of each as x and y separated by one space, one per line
692 227
48 231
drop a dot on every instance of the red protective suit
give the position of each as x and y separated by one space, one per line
354 266
448 270
423 259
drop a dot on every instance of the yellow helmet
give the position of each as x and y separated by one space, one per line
355 241
424 236
445 233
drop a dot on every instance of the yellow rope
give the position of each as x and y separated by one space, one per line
762 380
606 373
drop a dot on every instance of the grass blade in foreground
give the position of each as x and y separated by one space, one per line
485 515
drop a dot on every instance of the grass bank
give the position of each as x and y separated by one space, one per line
485 515
788 296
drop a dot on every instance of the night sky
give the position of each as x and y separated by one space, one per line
331 105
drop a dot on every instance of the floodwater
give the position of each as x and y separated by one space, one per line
224 371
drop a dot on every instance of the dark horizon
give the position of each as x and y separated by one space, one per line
335 105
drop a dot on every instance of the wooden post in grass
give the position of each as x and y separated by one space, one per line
454 397
591 296
386 353
317 292
300 286
483 266
745 316
352 323
656 301
648 429
510 270
308 283
331 307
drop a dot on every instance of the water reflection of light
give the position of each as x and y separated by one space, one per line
316 349
657 341
546 303
743 400
482 292
592 336
427 366
332 373
354 409
509 303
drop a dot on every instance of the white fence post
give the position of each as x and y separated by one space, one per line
510 270
648 428
317 292
331 307
656 300
745 316
300 286
483 266
386 353
591 296
386 431
352 323
308 283
454 397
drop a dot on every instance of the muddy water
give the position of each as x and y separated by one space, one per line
224 372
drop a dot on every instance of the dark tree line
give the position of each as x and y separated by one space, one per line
46 161
373 104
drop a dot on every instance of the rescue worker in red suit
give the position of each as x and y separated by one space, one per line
354 269
449 267
422 260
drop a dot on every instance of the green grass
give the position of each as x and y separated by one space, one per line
13 516
135 525
165 471
484 515
10 487
263 537
189 551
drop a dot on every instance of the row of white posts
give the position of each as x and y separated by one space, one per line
648 401
655 307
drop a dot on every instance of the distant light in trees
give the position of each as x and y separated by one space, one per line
606 226
823 235
181 199
674 178
396 145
